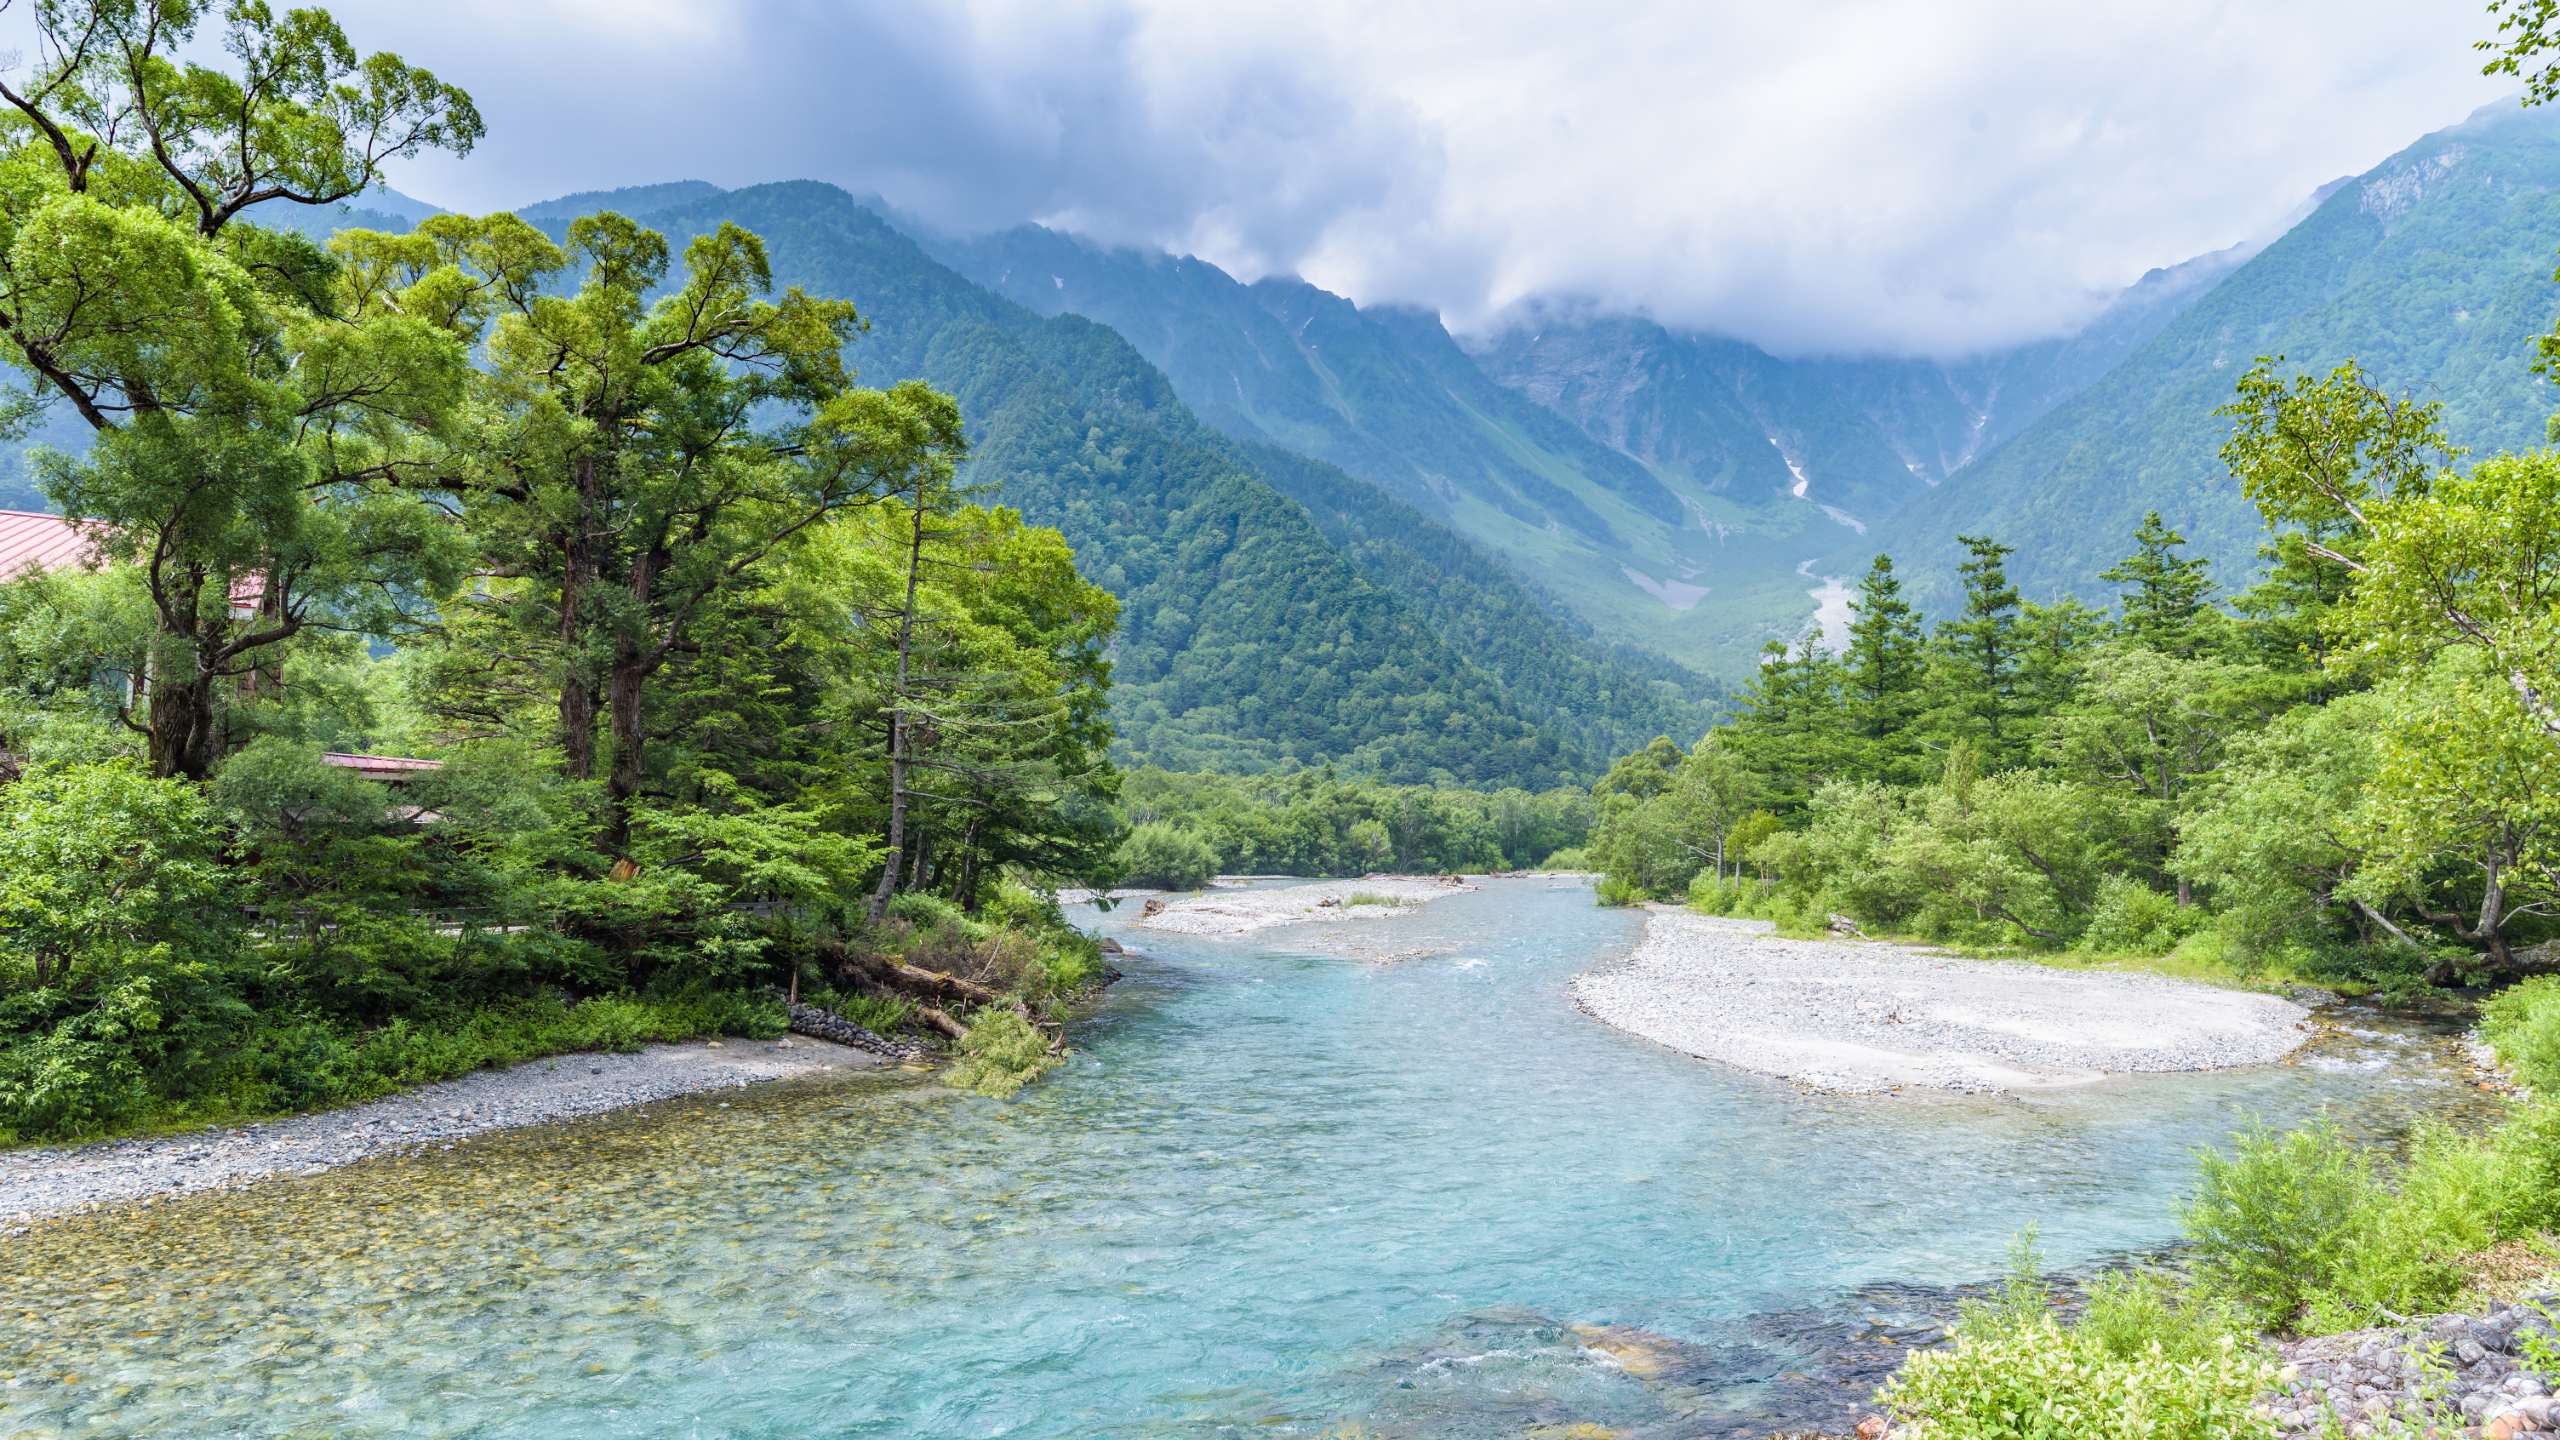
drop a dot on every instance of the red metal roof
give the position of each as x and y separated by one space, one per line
32 540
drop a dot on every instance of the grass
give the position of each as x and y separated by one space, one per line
1358 898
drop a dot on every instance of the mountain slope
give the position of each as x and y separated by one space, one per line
1388 396
2433 269
1253 635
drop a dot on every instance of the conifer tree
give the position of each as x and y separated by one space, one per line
2164 592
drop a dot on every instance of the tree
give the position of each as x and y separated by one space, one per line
2466 802
2528 30
2153 726
2163 593
251 415
1883 668
1975 675
638 461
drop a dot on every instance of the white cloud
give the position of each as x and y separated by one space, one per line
1924 175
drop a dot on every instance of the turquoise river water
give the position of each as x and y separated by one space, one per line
1374 1179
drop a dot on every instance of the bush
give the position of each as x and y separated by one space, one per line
2130 918
1613 891
2272 1222
2139 1364
1162 856
2297 1231
2522 1024
1572 857
1001 1053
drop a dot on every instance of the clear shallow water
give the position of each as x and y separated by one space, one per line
1278 1192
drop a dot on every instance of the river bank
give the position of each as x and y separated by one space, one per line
1228 911
39 1183
1864 1017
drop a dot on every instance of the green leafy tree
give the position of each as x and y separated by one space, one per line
251 416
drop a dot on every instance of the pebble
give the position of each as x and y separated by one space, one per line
2466 1367
36 1183
1867 1018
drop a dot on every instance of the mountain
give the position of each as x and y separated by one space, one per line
1276 611
1386 394
1694 481
2433 269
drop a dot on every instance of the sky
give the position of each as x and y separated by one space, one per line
1834 176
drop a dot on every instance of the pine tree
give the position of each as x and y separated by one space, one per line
1976 676
1885 668
2164 592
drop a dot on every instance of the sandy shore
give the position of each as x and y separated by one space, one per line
1862 1017
1227 912
37 1183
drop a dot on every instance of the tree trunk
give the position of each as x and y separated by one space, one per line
578 701
181 723
625 688
898 724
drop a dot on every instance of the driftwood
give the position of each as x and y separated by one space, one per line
919 985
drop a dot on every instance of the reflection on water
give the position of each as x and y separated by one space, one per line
1278 1192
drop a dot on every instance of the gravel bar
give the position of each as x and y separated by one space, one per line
1225 913
1863 1017
39 1183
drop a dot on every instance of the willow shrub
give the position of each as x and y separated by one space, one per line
2300 1231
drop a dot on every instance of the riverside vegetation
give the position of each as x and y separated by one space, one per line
733 681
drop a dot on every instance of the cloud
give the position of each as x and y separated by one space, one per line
1837 175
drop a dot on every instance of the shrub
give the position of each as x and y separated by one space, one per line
1572 857
2139 1364
1359 898
1613 891
1161 855
2522 1024
2130 918
2273 1222
1001 1053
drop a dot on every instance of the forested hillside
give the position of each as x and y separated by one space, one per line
1252 633
1692 476
2433 269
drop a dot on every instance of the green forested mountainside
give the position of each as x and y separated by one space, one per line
1388 396
1692 479
1251 635
2433 269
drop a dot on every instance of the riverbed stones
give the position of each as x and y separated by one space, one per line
2477 1371
36 1183
1866 1018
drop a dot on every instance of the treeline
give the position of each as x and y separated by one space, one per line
1188 827
2350 767
732 686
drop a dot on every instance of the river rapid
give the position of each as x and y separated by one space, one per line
1377 1178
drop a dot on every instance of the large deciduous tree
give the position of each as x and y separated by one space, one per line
252 416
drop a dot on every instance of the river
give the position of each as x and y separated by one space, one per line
1281 1190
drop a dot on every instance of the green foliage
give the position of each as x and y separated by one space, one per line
1164 856
2141 1364
2300 1230
2130 918
1615 893
1321 823
2273 1221
1001 1053
2522 1025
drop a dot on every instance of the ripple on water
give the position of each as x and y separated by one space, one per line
1277 1192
